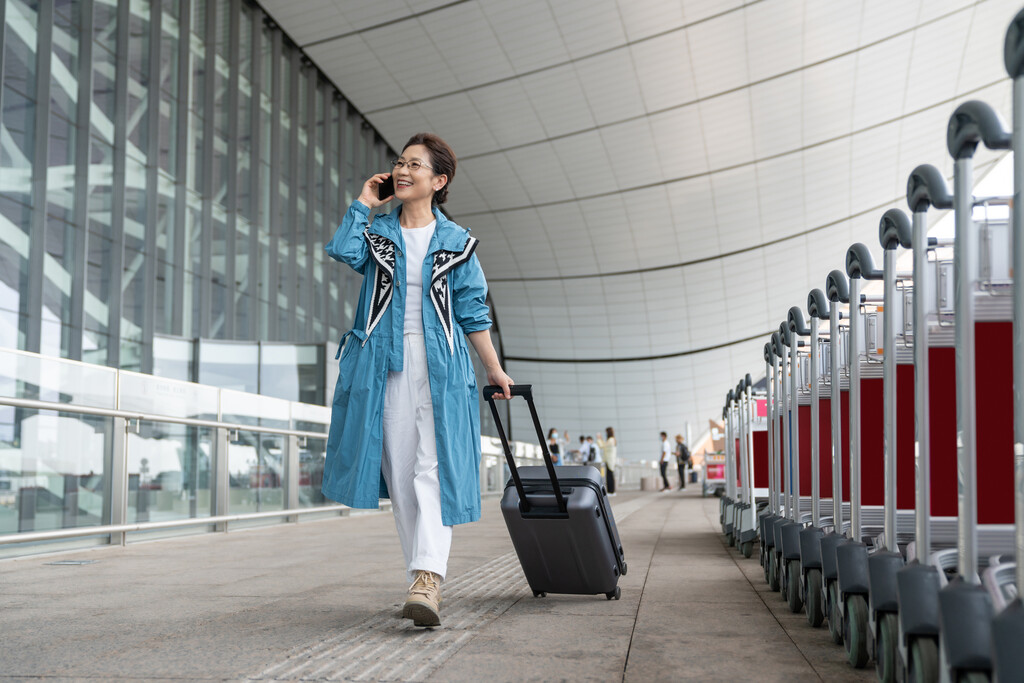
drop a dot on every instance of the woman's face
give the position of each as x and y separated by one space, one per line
419 184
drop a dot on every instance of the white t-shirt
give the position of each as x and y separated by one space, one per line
666 451
417 241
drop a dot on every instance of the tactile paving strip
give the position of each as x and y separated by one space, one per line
386 647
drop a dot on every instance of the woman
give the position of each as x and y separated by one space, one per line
553 448
609 450
406 420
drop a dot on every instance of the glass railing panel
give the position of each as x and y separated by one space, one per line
42 378
311 470
317 418
53 470
255 472
173 398
253 409
169 473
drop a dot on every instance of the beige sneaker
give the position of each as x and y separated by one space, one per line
423 605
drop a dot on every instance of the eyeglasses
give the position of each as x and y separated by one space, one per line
413 165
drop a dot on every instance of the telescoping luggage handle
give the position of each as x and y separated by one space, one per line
526 391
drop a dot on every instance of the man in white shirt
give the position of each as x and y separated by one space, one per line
666 455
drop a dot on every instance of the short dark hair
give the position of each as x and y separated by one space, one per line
665 434
442 159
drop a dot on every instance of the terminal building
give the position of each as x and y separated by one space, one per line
762 226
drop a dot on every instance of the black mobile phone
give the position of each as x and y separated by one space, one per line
386 188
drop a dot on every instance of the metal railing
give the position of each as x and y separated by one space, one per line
90 451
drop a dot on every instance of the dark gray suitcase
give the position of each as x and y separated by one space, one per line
560 520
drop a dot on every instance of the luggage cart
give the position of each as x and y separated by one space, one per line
785 460
807 504
728 501
886 559
965 608
777 504
770 511
851 607
713 475
1008 626
754 466
821 468
787 534
838 293
917 655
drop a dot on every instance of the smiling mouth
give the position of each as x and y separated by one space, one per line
403 183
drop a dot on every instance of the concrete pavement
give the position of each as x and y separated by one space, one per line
321 601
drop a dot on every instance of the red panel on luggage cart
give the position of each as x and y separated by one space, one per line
994 374
805 450
782 461
761 460
844 425
872 438
739 459
942 430
825 447
905 474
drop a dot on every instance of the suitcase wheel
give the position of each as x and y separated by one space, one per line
542 594
615 594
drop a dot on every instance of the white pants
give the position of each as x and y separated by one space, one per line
409 464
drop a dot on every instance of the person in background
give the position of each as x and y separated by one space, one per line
553 446
608 451
593 454
584 452
666 454
563 443
682 460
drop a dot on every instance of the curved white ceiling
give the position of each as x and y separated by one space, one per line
655 182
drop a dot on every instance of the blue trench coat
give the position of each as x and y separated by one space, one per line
454 304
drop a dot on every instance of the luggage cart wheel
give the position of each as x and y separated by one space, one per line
815 614
796 603
835 629
855 631
773 572
539 594
615 594
728 540
924 660
885 648
747 548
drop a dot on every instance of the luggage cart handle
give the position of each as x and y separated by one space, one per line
526 391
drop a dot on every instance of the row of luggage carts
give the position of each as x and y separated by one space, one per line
880 467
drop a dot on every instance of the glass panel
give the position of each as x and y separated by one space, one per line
104 66
138 79
64 65
255 473
51 469
230 366
168 472
44 378
311 472
291 372
173 358
254 409
163 396
169 44
15 220
17 152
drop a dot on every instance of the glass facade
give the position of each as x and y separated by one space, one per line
169 173
168 168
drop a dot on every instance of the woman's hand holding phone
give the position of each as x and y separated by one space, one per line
370 196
